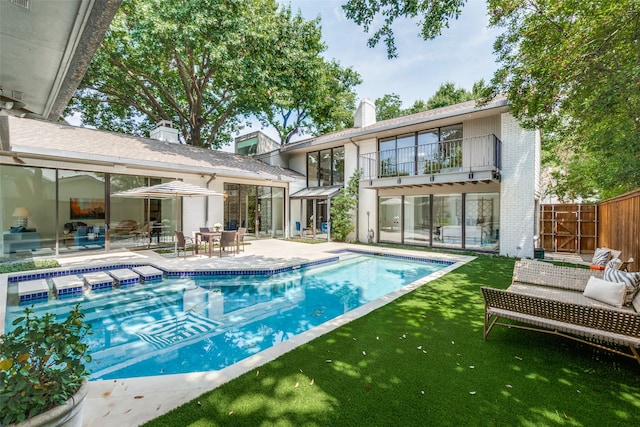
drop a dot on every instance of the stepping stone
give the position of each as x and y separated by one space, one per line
98 280
124 276
32 290
67 285
148 273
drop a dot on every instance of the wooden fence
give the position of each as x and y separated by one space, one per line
569 228
619 226
581 228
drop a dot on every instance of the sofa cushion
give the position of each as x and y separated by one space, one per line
631 281
601 256
604 291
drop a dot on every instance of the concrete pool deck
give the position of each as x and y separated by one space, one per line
134 401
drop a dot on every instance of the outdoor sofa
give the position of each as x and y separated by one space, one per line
549 298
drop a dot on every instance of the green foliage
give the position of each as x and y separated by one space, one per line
390 105
13 267
572 70
342 208
434 16
41 363
207 65
305 93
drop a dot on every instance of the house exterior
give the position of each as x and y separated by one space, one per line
457 177
58 186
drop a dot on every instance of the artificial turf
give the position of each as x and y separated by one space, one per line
421 361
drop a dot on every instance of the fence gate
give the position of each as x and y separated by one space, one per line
569 228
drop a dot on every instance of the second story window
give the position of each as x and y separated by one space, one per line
420 153
325 167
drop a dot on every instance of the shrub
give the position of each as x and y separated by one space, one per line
41 363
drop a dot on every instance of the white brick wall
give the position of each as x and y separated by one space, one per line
518 189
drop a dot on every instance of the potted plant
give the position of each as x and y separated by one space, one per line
42 370
217 226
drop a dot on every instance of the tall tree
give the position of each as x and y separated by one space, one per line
448 94
306 94
388 107
205 65
571 69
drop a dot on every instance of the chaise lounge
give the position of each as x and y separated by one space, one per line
551 299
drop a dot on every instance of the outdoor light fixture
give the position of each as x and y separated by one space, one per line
22 214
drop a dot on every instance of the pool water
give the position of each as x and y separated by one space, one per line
208 323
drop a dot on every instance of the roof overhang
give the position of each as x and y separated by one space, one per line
414 122
45 49
317 192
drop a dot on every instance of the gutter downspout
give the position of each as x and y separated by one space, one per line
206 206
358 205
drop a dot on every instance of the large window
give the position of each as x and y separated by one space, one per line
54 211
417 220
468 220
325 167
258 208
424 152
390 219
482 220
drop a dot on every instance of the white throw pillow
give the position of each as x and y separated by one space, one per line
607 292
630 279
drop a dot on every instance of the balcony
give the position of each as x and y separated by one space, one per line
455 161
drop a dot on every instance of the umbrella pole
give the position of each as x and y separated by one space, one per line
175 222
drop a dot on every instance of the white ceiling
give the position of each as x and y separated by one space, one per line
45 49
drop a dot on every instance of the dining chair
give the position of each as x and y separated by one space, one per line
182 243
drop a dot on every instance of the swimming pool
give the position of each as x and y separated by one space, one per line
205 323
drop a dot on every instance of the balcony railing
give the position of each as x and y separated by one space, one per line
459 155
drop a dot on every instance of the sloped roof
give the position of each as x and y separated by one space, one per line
76 144
468 107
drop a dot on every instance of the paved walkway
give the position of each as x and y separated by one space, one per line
134 401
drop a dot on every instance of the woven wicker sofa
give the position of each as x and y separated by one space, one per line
548 298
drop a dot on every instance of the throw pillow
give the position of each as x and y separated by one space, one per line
614 263
631 281
601 256
604 291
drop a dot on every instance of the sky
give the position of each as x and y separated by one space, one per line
463 54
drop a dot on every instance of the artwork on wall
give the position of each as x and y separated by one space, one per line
86 208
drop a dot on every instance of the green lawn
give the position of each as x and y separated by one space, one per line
421 361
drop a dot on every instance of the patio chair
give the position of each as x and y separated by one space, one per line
240 236
182 243
227 240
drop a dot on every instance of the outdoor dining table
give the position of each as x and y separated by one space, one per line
213 237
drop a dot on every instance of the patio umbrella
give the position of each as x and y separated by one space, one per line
168 190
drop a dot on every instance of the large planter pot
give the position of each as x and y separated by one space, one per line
67 415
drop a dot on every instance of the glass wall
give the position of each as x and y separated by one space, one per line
65 211
82 210
325 167
447 220
390 213
417 220
482 220
28 211
258 208
441 220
